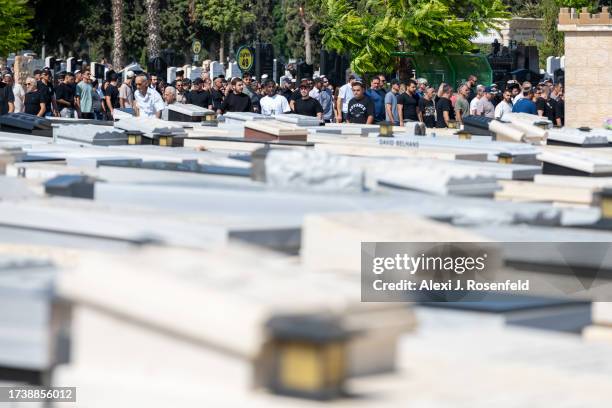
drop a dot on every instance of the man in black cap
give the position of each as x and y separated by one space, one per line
306 105
484 106
198 96
47 91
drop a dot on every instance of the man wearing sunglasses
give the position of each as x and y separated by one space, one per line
34 102
45 87
306 105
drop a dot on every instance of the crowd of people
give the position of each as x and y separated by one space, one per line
79 95
415 100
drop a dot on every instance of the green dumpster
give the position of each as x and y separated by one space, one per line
465 65
452 69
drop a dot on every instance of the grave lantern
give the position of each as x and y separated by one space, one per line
309 358
386 129
605 203
134 137
504 158
464 135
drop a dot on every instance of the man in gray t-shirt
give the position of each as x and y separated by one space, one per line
484 106
126 95
391 103
84 100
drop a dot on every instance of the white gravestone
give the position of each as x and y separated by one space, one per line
216 69
552 64
70 64
232 71
195 72
171 74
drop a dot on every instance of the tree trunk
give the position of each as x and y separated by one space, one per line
117 54
222 48
192 11
307 42
231 46
154 41
307 45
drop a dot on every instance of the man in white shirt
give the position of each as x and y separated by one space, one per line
273 103
345 94
18 92
505 106
148 102
474 102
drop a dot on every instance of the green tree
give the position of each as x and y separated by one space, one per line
294 31
180 26
14 31
553 44
279 39
553 39
263 26
370 30
224 17
524 8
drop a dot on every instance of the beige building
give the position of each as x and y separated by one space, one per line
588 66
525 30
522 30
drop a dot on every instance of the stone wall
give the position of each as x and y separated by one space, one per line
588 67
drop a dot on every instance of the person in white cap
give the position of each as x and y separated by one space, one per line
273 103
126 95
421 87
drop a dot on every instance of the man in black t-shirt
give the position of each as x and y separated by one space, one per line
7 99
306 105
198 96
427 108
444 108
544 105
560 110
64 94
217 94
33 102
360 108
47 92
407 104
237 101
111 95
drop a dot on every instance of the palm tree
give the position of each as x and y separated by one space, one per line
154 43
118 54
